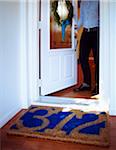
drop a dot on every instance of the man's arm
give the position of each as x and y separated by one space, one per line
80 21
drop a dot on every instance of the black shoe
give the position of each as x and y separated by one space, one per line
95 91
82 88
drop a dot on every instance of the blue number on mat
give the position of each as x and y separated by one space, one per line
30 121
75 122
55 119
93 129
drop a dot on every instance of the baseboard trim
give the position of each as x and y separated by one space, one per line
9 115
112 112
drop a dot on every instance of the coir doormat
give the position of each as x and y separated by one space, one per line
61 124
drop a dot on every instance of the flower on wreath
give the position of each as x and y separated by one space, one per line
60 16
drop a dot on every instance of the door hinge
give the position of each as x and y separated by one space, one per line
39 25
39 83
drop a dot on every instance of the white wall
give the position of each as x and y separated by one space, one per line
112 56
104 53
13 88
108 53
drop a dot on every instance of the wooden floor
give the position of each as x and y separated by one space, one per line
81 94
10 142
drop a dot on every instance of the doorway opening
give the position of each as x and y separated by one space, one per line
69 92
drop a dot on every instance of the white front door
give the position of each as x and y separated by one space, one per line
59 66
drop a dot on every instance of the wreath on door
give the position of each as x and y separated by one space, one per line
62 22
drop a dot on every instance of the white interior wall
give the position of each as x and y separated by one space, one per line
104 52
112 56
13 87
108 53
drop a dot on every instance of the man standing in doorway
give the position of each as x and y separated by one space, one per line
89 19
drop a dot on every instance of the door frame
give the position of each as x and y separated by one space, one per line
33 54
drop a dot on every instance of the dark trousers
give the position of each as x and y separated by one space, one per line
89 41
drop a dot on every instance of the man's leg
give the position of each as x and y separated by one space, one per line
84 55
95 49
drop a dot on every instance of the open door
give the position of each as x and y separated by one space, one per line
58 66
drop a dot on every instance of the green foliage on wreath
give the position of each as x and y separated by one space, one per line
56 16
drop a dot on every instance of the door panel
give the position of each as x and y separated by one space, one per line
58 66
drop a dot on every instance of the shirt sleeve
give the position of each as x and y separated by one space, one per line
80 21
